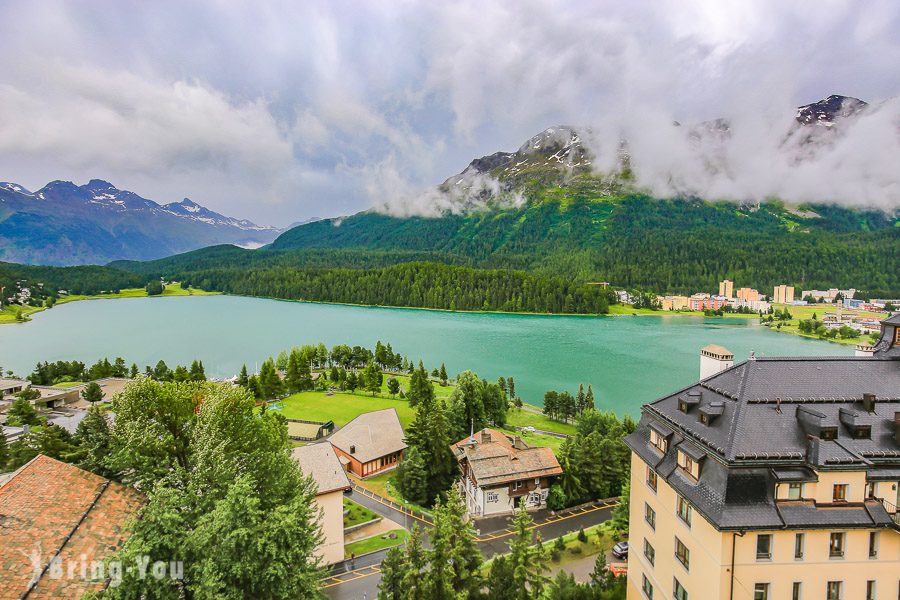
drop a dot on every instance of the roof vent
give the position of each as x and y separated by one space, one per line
352 449
485 436
868 402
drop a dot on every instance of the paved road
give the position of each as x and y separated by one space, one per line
360 579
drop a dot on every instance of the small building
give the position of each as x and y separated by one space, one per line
52 397
8 387
53 511
748 294
321 463
674 302
497 470
371 443
703 301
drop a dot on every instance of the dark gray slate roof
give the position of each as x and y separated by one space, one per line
781 420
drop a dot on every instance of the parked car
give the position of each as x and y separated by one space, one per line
528 429
620 550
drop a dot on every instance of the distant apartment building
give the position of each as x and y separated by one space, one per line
754 305
772 478
674 302
783 294
704 301
320 462
748 294
829 295
726 288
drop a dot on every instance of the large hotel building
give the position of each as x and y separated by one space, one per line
775 478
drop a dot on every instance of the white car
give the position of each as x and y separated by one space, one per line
529 429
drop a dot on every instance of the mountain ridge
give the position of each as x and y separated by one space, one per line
63 223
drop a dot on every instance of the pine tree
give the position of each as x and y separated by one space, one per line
589 398
416 561
421 389
529 561
500 580
393 386
4 453
134 371
92 392
243 379
580 399
198 373
443 375
372 378
510 387
455 560
292 374
92 438
412 477
393 574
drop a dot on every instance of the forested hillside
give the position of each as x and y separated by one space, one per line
631 241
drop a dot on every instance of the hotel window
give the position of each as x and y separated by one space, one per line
761 591
873 544
795 491
647 587
658 441
833 590
798 546
684 510
651 478
678 592
870 590
682 554
836 546
840 492
797 591
764 546
650 516
649 552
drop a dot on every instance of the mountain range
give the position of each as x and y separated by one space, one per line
544 210
67 224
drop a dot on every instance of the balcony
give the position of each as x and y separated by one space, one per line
892 511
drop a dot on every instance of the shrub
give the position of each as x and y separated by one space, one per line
582 536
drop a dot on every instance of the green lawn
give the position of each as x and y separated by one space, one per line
600 538
67 384
358 514
342 407
8 314
802 313
379 542
520 417
537 440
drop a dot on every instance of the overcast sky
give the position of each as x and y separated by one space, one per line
279 111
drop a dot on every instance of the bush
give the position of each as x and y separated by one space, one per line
556 499
559 544
582 536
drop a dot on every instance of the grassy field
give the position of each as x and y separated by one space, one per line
8 314
342 407
373 544
803 313
600 538
358 514
521 417
67 384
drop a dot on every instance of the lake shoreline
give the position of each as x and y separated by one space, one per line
622 312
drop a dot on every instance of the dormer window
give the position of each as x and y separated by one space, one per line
829 433
861 432
658 441
689 461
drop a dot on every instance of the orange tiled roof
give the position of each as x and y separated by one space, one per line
49 506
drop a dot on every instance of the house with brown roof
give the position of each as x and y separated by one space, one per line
497 471
321 463
54 518
371 443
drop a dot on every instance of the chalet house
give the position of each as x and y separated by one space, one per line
497 470
371 443
53 510
321 463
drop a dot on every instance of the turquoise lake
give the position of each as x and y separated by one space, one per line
628 360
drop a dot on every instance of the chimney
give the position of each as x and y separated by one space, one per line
714 359
868 402
518 444
352 449
812 450
485 436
